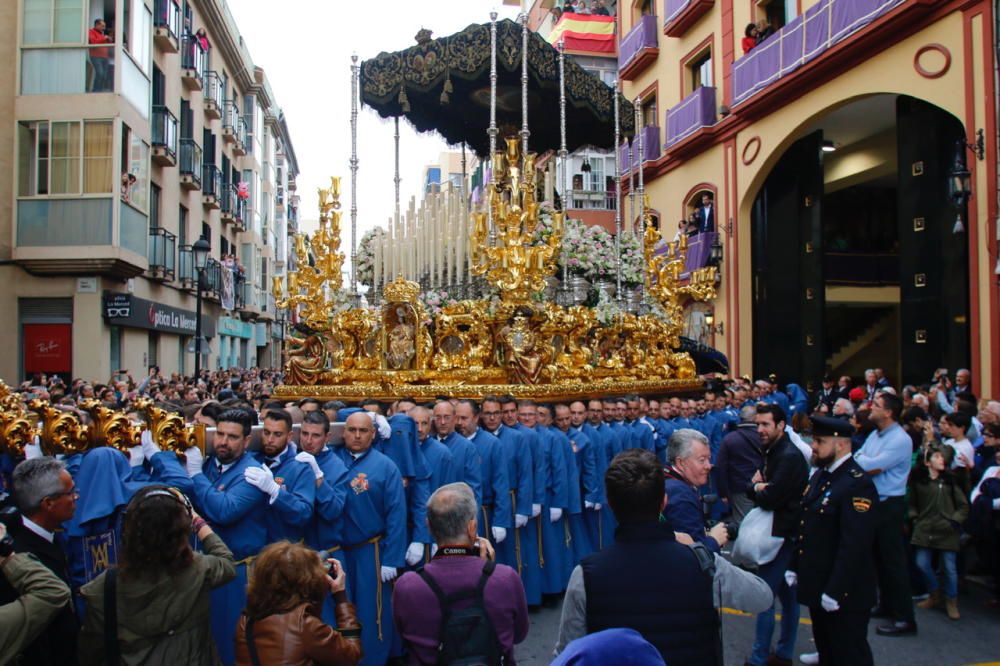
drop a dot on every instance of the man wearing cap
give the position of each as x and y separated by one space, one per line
826 395
832 565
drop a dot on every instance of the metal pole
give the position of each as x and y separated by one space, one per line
197 327
525 133
354 175
493 118
618 200
641 223
631 184
563 169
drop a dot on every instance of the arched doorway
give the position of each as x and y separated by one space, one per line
856 262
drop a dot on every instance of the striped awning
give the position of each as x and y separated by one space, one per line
588 33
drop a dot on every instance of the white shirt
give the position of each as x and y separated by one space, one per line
990 473
837 463
38 529
799 443
962 446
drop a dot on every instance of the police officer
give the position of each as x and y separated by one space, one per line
832 564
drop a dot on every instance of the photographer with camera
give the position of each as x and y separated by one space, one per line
281 623
688 466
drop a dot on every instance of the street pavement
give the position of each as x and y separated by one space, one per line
975 639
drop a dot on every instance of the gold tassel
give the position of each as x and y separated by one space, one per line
448 89
403 101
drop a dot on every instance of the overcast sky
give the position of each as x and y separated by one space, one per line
305 48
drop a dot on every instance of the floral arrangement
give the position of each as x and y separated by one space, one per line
366 256
602 253
607 309
436 299
633 261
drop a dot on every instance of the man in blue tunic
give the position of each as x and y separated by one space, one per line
595 420
439 470
592 479
643 432
550 524
496 513
466 465
290 485
323 529
586 478
625 432
517 551
374 534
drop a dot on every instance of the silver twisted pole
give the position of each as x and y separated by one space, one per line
640 224
525 133
563 169
618 199
493 118
355 73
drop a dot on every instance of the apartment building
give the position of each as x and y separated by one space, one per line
851 158
138 127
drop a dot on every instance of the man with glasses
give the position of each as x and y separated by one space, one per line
886 456
45 496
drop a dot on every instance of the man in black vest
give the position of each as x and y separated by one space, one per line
646 580
833 566
45 495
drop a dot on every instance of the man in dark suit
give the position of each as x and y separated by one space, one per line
706 214
826 395
45 495
833 566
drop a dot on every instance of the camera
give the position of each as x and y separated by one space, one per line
331 566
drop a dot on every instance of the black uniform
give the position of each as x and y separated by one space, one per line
833 556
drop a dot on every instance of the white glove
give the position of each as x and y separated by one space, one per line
597 506
263 479
135 456
33 450
414 554
380 423
555 515
829 604
520 520
588 505
434 549
149 447
791 578
310 460
193 461
388 573
536 510
499 534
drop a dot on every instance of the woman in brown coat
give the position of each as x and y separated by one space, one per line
282 625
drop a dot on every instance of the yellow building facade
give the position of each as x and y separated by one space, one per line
851 158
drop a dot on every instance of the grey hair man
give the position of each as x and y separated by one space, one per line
740 456
462 563
689 461
843 408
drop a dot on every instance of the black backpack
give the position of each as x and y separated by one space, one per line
467 636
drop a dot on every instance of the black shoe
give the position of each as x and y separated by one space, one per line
899 628
881 612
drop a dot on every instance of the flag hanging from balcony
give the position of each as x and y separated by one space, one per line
587 33
228 290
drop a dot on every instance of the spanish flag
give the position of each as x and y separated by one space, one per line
588 33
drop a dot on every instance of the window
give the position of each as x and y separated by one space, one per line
56 158
701 70
116 346
182 226
594 179
249 102
777 12
154 349
649 112
154 206
135 169
52 22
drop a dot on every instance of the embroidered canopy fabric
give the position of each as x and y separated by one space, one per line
444 85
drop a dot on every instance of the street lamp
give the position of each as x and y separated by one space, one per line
200 250
959 184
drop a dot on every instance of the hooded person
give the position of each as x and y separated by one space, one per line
798 398
611 646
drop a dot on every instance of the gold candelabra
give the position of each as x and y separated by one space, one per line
312 286
515 266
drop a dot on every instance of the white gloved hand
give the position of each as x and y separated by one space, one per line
310 460
829 604
587 504
414 553
499 534
388 573
434 549
381 424
149 447
791 578
193 461
597 506
536 510
135 456
33 450
520 520
263 479
555 515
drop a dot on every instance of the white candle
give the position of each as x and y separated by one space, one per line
377 270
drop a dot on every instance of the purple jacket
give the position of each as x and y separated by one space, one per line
418 616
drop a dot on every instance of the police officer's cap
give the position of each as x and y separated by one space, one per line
828 426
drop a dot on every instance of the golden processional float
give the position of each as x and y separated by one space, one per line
509 334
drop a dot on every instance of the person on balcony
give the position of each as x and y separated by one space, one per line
600 9
100 57
706 214
749 38
764 30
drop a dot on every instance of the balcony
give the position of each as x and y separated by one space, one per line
211 186
227 203
166 25
801 41
190 165
185 267
164 150
699 252
211 285
650 148
234 129
248 299
194 63
212 95
639 48
680 15
591 200
695 111
161 254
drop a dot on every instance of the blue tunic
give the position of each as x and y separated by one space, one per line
552 536
374 535
596 520
323 529
585 454
574 500
642 435
496 507
441 462
288 516
465 464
